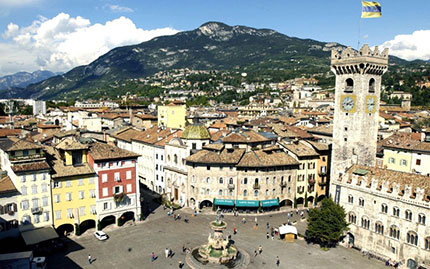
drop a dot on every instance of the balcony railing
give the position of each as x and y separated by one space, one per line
256 186
231 186
36 210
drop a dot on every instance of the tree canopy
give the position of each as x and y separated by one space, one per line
326 224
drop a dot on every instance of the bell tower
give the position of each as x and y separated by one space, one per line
357 97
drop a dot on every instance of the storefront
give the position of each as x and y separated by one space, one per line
247 206
224 202
270 204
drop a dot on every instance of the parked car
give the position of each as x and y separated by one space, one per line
101 235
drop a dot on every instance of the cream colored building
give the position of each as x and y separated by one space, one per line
172 115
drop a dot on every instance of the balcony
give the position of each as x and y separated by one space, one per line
283 184
322 183
311 181
37 210
231 186
256 186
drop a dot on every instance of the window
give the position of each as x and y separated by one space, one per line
24 205
256 181
267 192
36 219
421 219
91 180
175 159
256 193
156 156
365 223
80 182
104 178
57 184
208 168
349 85
352 218
350 199
391 160
116 176
208 180
412 238
35 203
372 85
245 192
23 178
117 189
105 206
45 216
128 174
58 214
361 202
93 193
230 181
156 167
220 192
34 189
81 195
82 211
43 176
418 162
403 162
379 228
105 192
69 196
70 212
45 201
44 187
245 181
427 243
408 215
68 183
384 208
57 198
267 181
274 192
394 232
34 177
128 187
93 209
24 190
221 181
396 211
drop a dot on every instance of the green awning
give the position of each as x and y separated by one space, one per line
227 202
247 203
269 203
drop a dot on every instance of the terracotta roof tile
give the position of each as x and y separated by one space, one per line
6 185
299 149
267 158
101 151
226 156
61 170
70 144
33 166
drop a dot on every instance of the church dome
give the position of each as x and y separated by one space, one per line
195 132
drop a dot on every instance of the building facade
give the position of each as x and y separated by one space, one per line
9 221
172 115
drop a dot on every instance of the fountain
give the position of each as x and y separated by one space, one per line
218 250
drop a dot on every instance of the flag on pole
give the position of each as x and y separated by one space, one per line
371 9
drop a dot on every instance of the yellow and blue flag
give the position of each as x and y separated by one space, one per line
371 9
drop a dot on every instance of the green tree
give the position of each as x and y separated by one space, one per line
326 224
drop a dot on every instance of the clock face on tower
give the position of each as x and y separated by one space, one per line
347 103
370 104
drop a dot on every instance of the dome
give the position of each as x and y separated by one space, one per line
196 132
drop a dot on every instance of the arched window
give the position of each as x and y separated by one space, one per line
427 243
220 192
256 181
267 192
208 180
274 180
350 199
361 202
352 218
412 238
422 219
175 158
394 232
168 158
245 181
256 193
245 192
349 85
274 191
372 85
221 181
396 211
365 223
408 215
379 228
208 191
267 180
230 181
384 208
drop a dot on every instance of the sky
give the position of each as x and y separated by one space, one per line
58 35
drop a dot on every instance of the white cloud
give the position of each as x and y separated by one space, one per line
410 47
64 42
17 3
116 8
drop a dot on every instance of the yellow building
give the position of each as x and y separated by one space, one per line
26 166
172 115
323 174
73 187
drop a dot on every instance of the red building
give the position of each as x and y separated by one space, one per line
118 196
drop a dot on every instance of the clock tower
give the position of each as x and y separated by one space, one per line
357 96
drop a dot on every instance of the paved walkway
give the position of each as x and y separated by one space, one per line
131 246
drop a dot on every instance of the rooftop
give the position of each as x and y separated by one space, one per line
195 132
70 144
299 149
60 170
267 158
13 144
245 137
226 156
100 151
6 185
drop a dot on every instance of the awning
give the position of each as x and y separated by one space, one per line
36 236
227 202
269 203
287 229
247 203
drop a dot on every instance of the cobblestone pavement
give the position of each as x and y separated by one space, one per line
130 246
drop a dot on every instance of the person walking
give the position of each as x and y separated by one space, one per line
166 252
255 253
260 249
267 235
278 262
234 230
89 259
255 219
243 220
170 253
267 225
152 256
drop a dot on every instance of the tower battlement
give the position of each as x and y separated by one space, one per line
364 61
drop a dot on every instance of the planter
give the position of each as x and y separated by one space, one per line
119 197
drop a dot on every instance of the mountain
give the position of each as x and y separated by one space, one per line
212 46
23 79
